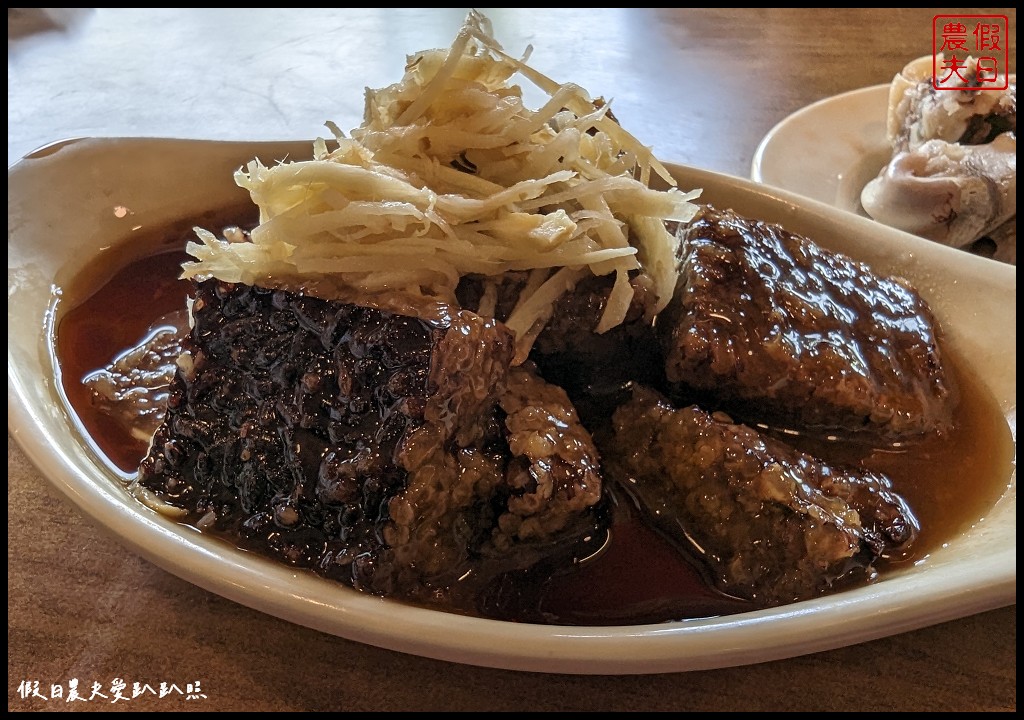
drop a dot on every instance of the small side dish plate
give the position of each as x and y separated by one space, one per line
847 134
74 200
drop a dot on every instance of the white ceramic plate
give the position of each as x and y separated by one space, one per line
828 151
60 215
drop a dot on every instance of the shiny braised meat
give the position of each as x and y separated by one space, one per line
396 449
400 455
773 328
595 369
773 524
767 324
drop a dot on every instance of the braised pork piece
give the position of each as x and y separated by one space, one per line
774 525
596 369
768 325
400 455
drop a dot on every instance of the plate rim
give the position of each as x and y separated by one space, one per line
664 647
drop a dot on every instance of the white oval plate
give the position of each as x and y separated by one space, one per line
828 151
60 215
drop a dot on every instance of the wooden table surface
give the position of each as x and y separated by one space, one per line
701 86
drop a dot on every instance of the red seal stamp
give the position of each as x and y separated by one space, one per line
970 51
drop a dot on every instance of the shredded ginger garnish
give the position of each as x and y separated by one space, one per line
451 174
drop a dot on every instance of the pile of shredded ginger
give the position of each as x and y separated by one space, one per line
450 175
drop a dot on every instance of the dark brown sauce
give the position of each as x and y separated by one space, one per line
638 577
114 318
